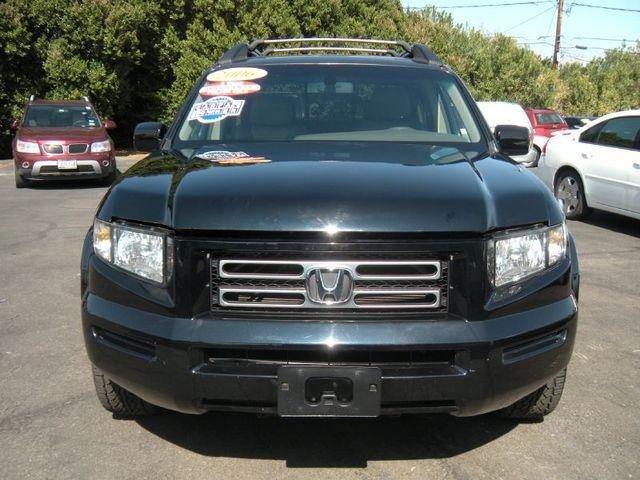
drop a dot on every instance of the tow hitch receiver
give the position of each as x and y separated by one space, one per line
328 391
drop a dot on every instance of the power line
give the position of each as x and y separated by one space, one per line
606 39
538 2
584 38
529 19
618 9
549 26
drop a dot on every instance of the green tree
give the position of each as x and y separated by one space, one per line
137 59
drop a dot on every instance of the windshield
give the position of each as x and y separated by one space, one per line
549 119
56 116
339 103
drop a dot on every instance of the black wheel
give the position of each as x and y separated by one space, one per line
539 403
108 180
117 400
20 182
569 191
536 159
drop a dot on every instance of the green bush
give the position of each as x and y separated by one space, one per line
137 59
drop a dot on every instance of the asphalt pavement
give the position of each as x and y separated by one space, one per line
52 426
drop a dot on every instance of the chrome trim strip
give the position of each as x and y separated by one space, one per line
293 291
37 166
309 304
420 291
350 266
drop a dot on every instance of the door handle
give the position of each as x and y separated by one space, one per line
636 166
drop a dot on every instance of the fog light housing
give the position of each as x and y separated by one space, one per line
105 163
25 164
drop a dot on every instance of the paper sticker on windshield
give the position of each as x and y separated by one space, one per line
223 157
239 73
216 109
231 89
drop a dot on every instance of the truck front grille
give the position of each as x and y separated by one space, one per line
78 148
326 284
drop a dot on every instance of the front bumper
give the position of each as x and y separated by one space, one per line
92 165
527 160
471 367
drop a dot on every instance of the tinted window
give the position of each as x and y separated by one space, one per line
329 103
548 119
53 116
620 132
591 135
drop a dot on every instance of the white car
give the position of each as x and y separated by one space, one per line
596 166
507 113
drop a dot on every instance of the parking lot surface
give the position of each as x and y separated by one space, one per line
52 426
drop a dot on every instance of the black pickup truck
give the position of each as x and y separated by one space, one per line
321 234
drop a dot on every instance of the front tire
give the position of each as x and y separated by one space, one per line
569 190
109 179
536 159
539 403
117 400
20 182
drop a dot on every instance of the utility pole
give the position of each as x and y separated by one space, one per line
556 44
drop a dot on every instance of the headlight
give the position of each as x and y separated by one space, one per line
512 257
145 252
27 147
98 147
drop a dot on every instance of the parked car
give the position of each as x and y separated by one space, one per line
508 113
545 123
597 166
578 121
329 235
62 139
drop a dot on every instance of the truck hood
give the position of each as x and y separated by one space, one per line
304 186
72 134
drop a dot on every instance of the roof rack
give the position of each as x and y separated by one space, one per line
393 51
395 48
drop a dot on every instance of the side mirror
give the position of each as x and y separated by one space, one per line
148 135
512 140
109 124
15 124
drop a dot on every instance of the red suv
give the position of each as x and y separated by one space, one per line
62 139
545 122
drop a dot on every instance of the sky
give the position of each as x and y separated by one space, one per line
534 24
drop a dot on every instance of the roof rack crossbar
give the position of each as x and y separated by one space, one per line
253 46
397 48
270 50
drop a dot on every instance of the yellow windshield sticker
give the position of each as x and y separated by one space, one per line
236 74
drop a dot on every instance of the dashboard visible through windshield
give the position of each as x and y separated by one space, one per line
60 116
338 103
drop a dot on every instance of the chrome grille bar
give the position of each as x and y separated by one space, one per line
293 284
302 269
391 298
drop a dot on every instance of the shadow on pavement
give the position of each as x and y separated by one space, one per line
75 184
307 443
614 222
66 185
